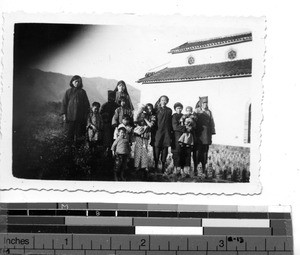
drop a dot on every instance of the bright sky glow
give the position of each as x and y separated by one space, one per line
126 52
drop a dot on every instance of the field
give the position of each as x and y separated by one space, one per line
40 151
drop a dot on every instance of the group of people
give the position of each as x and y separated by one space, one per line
114 127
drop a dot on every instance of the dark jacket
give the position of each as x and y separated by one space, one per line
178 130
205 127
75 104
164 127
109 108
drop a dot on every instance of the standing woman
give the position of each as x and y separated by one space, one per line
205 128
151 117
121 91
75 109
163 133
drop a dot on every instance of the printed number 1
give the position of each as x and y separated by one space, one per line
221 243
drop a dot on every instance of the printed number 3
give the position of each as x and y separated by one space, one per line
221 243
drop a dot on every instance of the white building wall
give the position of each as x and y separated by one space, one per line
212 55
227 100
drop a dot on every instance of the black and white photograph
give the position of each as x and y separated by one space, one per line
134 103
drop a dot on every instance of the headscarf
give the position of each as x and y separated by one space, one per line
157 104
201 100
76 77
111 95
125 92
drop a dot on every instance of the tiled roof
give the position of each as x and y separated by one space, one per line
231 69
211 43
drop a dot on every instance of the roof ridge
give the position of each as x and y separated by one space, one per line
212 42
219 37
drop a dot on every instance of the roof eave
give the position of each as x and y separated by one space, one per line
196 78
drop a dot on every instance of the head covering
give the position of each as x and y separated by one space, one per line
201 100
178 105
204 99
119 83
189 107
111 95
118 94
149 105
76 77
157 104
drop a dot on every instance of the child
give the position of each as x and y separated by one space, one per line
178 130
121 150
142 133
186 140
94 125
188 114
119 112
125 124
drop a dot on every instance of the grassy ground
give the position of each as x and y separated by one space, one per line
40 151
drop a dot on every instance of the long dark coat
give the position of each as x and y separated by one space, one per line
75 104
164 127
109 108
205 127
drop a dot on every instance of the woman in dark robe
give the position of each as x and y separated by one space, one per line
121 91
163 132
205 128
75 109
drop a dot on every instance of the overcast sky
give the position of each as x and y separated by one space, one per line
124 52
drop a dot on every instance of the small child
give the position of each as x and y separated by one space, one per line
188 114
121 151
120 112
94 125
142 133
125 124
186 140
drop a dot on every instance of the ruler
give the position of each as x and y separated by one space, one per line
144 229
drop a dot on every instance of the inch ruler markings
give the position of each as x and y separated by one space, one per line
83 228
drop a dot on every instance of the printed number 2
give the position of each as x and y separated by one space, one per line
221 243
143 243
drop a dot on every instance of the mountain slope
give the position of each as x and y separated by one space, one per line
33 85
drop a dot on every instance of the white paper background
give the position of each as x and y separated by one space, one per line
280 164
